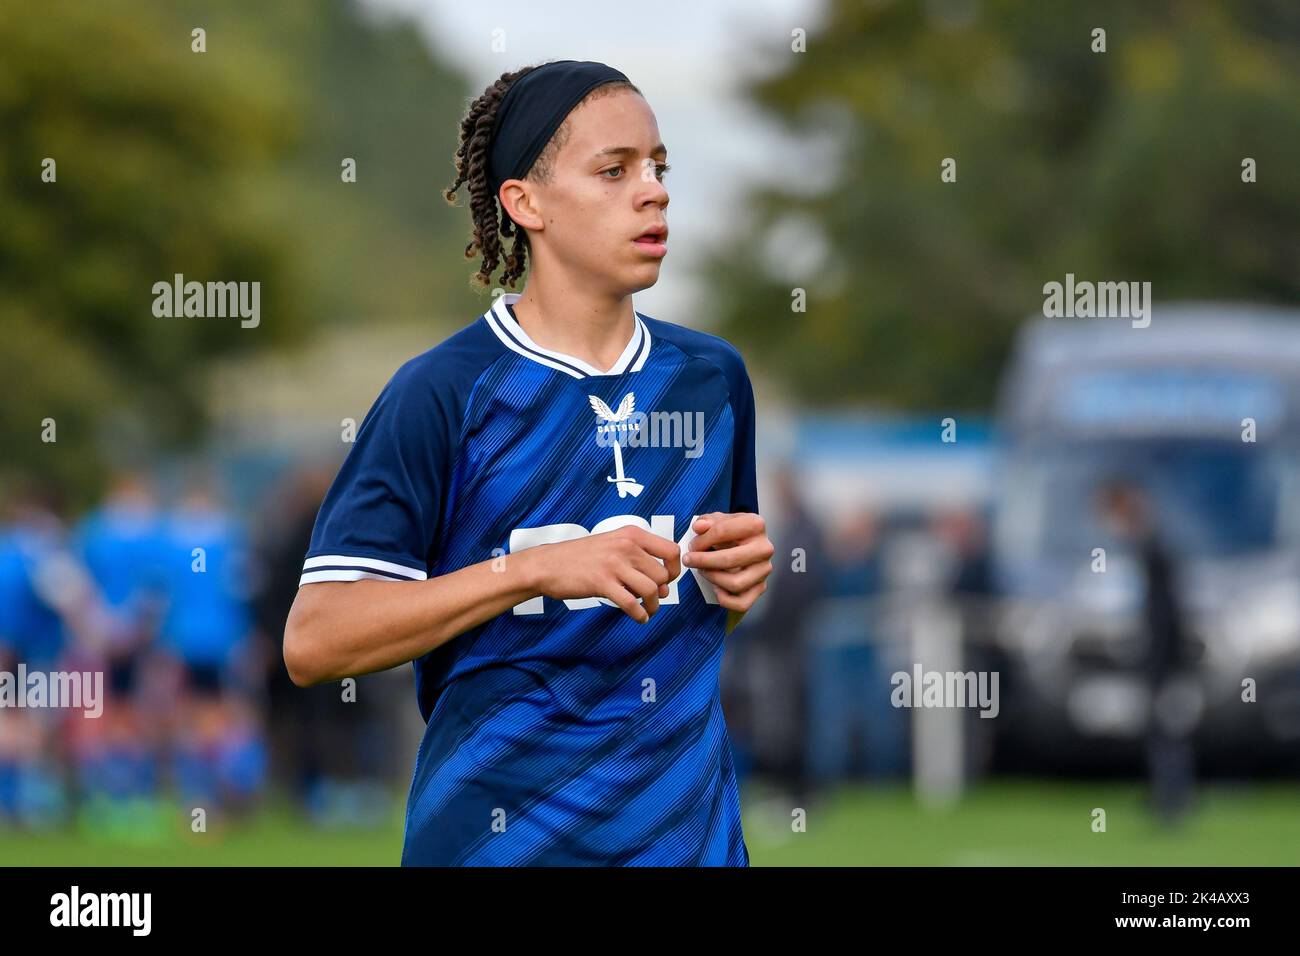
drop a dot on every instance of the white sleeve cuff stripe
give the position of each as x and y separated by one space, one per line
345 561
343 574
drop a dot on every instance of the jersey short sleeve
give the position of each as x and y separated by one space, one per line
380 517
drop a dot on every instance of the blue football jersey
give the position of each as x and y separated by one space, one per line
562 732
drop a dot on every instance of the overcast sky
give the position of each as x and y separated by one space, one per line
686 56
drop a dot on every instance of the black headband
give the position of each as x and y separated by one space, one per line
533 109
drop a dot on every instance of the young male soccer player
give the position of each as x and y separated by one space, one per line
512 519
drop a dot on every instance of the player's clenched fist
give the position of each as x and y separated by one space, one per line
623 565
733 552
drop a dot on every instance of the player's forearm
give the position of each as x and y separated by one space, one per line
340 629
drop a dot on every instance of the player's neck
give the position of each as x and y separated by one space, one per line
589 326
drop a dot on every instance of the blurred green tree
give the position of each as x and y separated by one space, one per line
366 86
221 166
1122 165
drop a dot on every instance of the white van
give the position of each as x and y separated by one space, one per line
1202 408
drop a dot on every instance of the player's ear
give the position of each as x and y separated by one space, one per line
518 199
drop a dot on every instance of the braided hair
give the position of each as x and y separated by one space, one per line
490 220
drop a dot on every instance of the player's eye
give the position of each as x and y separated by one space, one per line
660 170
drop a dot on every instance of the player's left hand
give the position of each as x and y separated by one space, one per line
733 553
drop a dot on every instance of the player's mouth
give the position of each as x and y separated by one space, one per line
654 241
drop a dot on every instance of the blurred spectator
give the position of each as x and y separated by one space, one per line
218 750
1126 509
775 706
299 716
963 532
121 544
47 603
46 597
207 620
850 723
334 753
853 556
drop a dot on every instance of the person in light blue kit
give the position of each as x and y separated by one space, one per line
123 545
47 603
219 747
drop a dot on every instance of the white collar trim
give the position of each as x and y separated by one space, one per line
513 336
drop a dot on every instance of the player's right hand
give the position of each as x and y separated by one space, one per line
628 565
